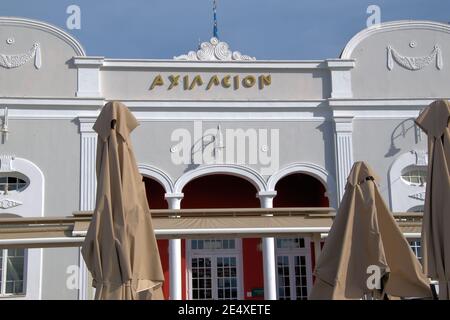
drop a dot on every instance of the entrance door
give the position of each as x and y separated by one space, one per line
294 268
215 269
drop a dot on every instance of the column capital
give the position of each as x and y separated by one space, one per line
174 200
343 124
266 198
86 124
267 194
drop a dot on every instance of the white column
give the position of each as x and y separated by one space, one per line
88 178
268 248
88 188
175 270
344 151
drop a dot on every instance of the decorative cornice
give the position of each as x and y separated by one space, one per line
214 50
391 26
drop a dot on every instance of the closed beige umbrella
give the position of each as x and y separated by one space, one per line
434 120
120 249
363 240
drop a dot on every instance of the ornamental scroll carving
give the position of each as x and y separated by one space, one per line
10 61
8 204
214 50
414 63
418 196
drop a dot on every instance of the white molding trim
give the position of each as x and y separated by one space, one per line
391 26
235 104
51 29
159 175
311 169
244 172
236 64
258 64
387 103
50 103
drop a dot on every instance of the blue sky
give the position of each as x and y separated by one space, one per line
266 29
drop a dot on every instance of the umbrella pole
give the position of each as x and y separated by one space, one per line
433 291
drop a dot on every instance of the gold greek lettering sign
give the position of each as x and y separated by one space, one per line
235 82
158 81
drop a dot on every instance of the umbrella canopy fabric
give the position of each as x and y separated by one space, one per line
120 248
365 241
434 120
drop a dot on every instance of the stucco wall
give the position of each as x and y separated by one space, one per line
55 78
299 141
54 146
380 142
371 77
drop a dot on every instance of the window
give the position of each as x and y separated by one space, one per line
415 175
293 243
293 268
416 209
215 269
12 266
213 244
416 247
12 182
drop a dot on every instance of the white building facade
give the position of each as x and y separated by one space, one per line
218 129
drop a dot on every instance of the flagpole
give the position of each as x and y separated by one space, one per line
215 31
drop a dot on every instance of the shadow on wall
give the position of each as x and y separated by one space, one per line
401 131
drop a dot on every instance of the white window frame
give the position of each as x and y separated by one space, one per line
291 253
414 247
3 252
413 168
214 254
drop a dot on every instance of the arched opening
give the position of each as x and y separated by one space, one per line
300 190
219 191
155 194
295 261
216 267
